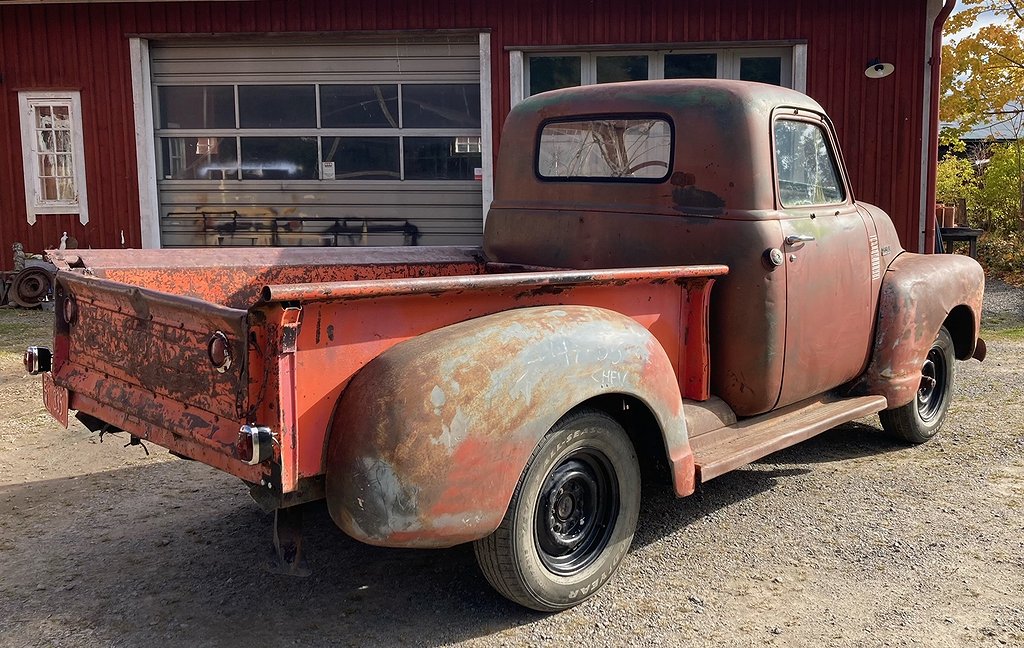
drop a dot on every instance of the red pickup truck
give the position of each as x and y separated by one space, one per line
675 277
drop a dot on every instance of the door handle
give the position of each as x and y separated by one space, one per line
793 239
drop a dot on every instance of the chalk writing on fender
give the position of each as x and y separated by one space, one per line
571 353
611 378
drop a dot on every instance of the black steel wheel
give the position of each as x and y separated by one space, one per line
920 420
571 518
576 512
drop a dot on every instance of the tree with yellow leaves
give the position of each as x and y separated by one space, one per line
983 69
983 85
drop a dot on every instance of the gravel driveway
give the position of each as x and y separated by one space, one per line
845 540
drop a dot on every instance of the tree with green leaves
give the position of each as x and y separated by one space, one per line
999 191
957 180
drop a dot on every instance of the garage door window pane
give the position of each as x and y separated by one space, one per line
691 66
435 158
554 72
765 69
359 106
611 69
196 106
284 106
279 158
363 158
441 106
199 158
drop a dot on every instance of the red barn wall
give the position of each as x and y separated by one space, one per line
85 47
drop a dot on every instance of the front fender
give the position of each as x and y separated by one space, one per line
918 295
430 438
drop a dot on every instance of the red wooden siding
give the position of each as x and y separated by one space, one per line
85 47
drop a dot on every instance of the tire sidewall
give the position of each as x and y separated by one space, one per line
591 431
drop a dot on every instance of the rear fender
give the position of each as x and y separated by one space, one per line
431 437
919 294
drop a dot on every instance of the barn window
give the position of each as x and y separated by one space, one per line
691 66
468 145
630 67
54 157
553 72
542 71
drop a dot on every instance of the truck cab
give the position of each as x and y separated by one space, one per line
693 172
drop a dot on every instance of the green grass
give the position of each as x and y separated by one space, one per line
1008 333
21 328
1003 326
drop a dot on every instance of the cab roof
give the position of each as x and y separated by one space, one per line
722 151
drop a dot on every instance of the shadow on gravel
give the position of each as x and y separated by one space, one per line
133 563
171 553
663 514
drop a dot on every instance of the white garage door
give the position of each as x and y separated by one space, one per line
275 142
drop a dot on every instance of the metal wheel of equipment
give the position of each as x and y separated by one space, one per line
571 518
30 287
920 419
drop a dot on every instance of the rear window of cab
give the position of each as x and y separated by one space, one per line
606 148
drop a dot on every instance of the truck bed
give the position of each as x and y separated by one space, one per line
135 351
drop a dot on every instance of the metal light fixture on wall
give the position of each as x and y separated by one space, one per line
878 70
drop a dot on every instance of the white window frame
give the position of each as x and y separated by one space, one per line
794 62
145 143
35 205
734 57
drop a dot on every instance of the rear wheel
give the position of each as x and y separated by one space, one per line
920 420
571 518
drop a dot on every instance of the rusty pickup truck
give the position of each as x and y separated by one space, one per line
675 280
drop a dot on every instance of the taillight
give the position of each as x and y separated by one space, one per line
219 351
255 444
38 359
69 310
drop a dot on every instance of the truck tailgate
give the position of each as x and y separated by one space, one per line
140 360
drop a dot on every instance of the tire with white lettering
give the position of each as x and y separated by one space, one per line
572 516
920 419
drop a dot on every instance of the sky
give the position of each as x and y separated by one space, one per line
984 19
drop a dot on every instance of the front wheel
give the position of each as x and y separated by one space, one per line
920 419
571 518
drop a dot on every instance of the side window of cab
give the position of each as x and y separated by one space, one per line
805 165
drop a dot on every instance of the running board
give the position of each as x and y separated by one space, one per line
727 448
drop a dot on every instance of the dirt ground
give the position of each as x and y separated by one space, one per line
848 539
